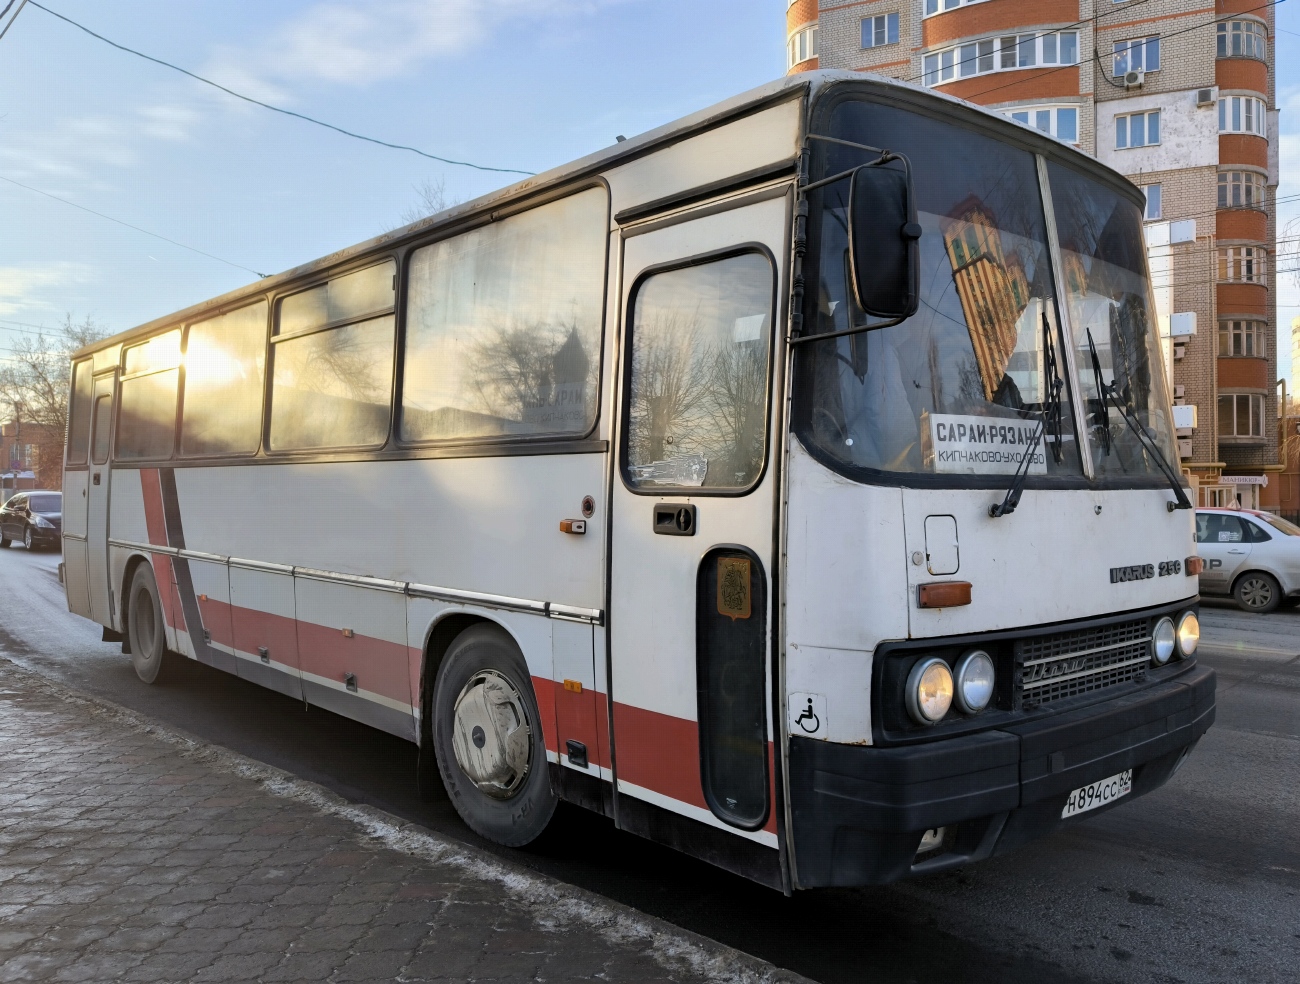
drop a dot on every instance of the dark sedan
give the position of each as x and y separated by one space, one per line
35 518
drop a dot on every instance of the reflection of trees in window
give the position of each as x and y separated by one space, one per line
696 398
667 385
539 375
994 290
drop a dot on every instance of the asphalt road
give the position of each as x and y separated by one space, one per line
1198 881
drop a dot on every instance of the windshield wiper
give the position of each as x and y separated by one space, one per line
1049 415
1109 394
1100 381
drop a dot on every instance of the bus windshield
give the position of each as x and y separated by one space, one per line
977 380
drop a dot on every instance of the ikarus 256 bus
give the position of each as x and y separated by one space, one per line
791 484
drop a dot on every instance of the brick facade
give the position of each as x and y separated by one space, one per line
1186 164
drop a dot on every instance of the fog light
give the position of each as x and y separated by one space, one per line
929 691
1162 641
975 678
1189 634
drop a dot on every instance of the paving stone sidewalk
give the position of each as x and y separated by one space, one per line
130 852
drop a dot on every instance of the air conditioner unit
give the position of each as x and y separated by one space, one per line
1134 79
1204 97
1179 391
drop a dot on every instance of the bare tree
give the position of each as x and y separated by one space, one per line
431 198
34 387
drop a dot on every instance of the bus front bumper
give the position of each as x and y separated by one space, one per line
859 813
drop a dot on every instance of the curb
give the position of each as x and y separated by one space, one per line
555 905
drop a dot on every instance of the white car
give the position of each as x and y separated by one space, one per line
1253 556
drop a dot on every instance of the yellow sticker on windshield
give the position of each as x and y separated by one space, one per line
733 587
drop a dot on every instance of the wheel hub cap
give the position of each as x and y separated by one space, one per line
491 736
1256 593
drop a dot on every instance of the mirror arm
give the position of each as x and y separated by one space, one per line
822 336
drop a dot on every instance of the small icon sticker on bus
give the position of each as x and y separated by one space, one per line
808 715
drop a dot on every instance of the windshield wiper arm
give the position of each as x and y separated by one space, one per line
1051 412
1109 394
1100 381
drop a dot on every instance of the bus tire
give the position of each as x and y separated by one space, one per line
4 542
145 628
488 736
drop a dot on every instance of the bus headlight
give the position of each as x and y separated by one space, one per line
929 691
974 680
1162 641
1189 634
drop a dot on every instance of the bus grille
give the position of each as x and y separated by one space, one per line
1070 664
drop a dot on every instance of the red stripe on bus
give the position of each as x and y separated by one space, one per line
661 753
151 490
379 665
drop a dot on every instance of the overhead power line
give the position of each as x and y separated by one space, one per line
102 215
278 109
5 29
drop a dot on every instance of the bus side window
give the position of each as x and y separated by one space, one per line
103 422
332 363
503 326
79 413
146 427
701 342
225 360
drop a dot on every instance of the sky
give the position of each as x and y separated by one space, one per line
526 84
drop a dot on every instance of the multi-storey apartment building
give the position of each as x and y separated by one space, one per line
1178 95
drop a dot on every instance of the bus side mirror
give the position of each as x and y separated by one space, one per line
883 237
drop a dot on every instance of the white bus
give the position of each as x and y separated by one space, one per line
789 484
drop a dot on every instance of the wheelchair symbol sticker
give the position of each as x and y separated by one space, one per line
808 715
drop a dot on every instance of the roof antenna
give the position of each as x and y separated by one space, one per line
620 138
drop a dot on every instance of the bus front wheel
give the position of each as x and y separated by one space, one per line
488 736
144 626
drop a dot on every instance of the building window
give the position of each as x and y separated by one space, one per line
1153 194
1137 130
1241 114
1001 54
1241 338
933 7
1242 39
1061 122
1242 264
803 45
1142 54
880 30
1241 189
1241 415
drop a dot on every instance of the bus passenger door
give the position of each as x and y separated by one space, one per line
101 442
76 489
693 508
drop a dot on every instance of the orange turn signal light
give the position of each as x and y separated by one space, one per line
573 686
943 594
1194 565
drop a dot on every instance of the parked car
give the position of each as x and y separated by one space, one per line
1251 555
35 518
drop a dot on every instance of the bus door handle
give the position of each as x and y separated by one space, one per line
674 519
95 479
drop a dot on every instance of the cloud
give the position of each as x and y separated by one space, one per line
357 44
65 147
26 287
169 122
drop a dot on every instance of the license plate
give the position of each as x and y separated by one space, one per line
1097 794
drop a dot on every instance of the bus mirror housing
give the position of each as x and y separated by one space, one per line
883 240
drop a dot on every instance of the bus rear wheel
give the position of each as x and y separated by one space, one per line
144 626
488 737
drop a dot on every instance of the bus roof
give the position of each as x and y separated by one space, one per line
804 83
